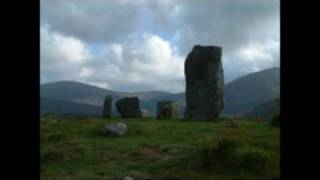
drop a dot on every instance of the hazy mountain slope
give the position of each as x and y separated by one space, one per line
61 107
88 94
247 91
265 111
75 91
148 95
251 90
241 95
92 95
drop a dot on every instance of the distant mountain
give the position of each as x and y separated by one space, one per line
62 107
251 90
264 111
241 95
76 92
91 95
247 91
88 94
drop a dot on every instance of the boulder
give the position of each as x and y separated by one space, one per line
167 110
204 83
128 178
129 107
145 112
107 106
116 128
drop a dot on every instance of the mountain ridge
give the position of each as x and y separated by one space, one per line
240 94
265 110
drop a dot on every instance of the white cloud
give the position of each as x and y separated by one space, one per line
68 48
251 58
261 55
85 72
141 45
145 63
62 57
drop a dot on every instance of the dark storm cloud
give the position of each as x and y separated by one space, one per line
91 20
227 23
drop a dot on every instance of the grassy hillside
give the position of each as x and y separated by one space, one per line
54 106
265 111
159 149
252 90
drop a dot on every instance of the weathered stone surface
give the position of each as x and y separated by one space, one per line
145 112
116 128
204 83
128 178
167 110
107 106
129 107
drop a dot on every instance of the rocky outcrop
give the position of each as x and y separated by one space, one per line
204 83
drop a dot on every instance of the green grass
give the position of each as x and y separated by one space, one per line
159 149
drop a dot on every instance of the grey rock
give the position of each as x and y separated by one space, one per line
128 178
145 112
107 107
233 123
167 110
204 83
129 107
116 128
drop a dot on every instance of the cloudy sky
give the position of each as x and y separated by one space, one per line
140 45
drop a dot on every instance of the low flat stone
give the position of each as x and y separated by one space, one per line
128 178
116 128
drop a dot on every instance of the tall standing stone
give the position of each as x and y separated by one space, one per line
107 106
129 107
204 83
167 110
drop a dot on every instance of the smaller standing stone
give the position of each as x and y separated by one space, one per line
129 107
107 106
116 128
167 110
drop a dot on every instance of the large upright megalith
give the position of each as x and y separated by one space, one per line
204 83
107 106
129 107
